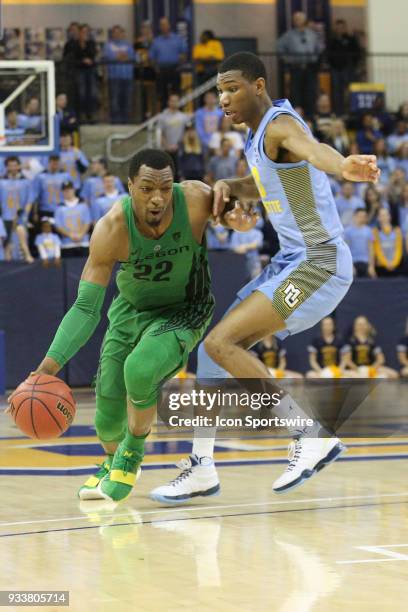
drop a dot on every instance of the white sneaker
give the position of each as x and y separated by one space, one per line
307 456
198 478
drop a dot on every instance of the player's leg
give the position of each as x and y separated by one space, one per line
198 475
155 359
110 416
294 300
111 411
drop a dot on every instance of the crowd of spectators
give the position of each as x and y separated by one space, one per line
62 196
206 146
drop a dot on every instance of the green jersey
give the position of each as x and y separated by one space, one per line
168 272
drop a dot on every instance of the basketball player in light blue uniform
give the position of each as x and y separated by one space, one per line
302 284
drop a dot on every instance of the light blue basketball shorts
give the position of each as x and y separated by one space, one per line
304 287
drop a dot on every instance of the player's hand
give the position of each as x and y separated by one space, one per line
360 168
242 217
222 195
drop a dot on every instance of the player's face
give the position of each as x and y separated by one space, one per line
237 96
151 192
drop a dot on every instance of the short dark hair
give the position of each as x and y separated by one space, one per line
54 157
153 158
249 64
11 158
359 210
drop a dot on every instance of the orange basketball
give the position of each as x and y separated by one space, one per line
43 406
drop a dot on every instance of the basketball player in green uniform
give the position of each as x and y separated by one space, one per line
162 311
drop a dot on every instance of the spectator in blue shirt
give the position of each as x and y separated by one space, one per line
385 162
73 160
347 202
47 187
168 51
248 244
208 119
16 197
368 134
104 203
359 237
31 118
402 158
13 132
93 185
222 166
48 244
121 55
73 220
218 237
398 137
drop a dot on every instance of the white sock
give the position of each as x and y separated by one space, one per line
290 409
204 446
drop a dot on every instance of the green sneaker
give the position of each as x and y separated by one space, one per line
90 489
117 485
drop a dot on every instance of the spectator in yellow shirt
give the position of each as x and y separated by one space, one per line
387 245
207 54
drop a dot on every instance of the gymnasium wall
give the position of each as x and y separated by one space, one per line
228 18
388 35
36 299
59 13
258 18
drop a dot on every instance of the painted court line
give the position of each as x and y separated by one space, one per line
221 507
196 518
382 550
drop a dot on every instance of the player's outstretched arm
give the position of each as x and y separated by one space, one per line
81 320
288 133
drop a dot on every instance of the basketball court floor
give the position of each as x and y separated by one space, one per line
340 542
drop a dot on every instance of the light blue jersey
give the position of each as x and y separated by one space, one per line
73 219
47 188
296 196
310 275
103 205
93 188
48 245
15 195
73 162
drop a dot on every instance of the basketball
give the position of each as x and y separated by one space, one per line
43 407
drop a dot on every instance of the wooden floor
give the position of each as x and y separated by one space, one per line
338 543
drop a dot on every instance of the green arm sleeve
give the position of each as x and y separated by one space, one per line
79 323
